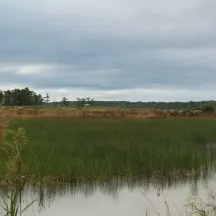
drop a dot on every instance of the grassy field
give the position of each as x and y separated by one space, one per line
102 148
98 112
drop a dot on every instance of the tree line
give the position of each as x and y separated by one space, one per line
26 97
151 105
20 97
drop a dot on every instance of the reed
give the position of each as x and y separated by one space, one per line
99 149
13 177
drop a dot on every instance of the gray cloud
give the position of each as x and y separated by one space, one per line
109 45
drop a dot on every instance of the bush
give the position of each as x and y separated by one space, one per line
208 109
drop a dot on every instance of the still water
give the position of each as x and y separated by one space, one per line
117 198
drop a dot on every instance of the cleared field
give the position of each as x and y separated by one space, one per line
96 148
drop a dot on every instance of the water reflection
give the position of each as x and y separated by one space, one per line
112 188
116 198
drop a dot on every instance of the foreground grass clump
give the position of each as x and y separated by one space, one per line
11 198
103 148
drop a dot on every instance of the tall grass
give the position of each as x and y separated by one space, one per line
13 177
99 149
105 147
67 149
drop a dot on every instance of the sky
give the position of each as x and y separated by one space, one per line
110 49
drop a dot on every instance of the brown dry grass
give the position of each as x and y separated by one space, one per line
2 126
72 113
92 112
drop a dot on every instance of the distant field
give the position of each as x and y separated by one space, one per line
50 111
99 112
103 148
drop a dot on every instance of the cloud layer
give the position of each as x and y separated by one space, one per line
110 50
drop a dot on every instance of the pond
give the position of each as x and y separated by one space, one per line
118 198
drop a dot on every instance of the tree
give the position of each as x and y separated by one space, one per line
7 101
65 101
80 101
37 99
20 97
208 109
89 100
47 98
83 101
1 97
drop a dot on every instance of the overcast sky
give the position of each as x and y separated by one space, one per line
137 50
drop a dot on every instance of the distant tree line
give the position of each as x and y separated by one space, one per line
26 97
20 97
151 105
130 105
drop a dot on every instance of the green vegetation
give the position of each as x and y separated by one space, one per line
82 101
20 97
13 178
99 149
177 105
26 97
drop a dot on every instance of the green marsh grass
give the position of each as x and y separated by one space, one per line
99 149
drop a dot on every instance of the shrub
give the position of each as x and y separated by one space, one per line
208 109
